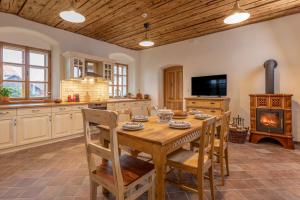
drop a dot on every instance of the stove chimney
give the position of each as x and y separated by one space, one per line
270 66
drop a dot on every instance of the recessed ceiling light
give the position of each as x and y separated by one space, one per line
72 16
237 15
144 15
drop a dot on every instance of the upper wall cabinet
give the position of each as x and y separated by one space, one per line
80 66
108 71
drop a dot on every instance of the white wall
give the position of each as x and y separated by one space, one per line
17 30
239 53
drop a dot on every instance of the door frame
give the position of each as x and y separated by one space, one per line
164 85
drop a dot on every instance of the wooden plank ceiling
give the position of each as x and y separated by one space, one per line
120 22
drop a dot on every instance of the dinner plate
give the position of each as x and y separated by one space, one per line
179 124
132 126
202 116
139 118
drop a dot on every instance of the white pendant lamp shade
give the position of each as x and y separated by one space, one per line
146 42
238 15
72 16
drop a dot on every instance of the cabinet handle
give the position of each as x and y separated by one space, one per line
71 116
193 102
62 108
50 119
15 122
213 111
212 102
4 113
36 110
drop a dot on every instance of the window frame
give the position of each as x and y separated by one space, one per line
27 66
117 77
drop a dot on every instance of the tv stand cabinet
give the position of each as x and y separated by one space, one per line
208 105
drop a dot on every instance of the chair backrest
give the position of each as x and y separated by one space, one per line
124 115
108 119
140 111
224 128
206 145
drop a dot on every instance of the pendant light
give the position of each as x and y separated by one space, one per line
237 15
146 42
71 15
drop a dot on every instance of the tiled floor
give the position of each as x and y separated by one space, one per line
59 172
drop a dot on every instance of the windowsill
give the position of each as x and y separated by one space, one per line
14 101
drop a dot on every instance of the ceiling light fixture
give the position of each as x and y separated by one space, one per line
237 15
146 42
71 15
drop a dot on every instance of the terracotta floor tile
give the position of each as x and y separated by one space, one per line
59 172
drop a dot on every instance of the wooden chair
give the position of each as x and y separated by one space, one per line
120 174
197 163
221 146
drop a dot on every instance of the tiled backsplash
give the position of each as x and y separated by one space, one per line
97 90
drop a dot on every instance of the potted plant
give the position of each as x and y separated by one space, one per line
4 94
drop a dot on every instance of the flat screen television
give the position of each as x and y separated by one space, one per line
209 85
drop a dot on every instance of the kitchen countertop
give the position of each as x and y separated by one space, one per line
52 104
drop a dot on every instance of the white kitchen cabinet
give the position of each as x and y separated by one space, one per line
67 120
77 119
75 66
33 128
7 128
61 124
77 123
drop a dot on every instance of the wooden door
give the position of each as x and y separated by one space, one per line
173 88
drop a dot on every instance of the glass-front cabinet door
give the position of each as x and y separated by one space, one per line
108 71
77 66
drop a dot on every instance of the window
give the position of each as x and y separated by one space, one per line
118 87
25 70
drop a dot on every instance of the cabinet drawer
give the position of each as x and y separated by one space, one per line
206 104
135 104
30 111
123 105
146 103
61 109
8 113
211 111
79 107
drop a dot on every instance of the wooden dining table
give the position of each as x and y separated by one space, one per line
159 140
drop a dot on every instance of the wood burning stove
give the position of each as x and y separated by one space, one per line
271 116
270 120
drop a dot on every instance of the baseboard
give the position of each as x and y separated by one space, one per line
28 146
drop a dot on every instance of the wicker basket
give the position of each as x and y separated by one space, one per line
238 135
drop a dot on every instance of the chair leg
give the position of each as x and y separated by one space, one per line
211 181
200 186
93 190
221 157
227 161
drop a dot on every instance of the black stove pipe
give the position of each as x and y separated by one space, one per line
270 66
